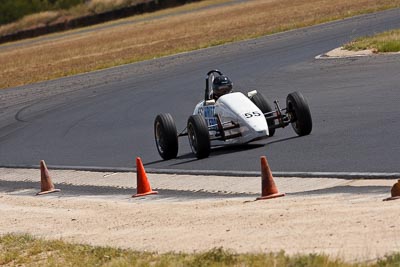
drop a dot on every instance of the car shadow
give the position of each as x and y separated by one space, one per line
222 150
247 147
235 149
282 140
190 157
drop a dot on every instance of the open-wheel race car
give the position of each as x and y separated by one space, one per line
225 117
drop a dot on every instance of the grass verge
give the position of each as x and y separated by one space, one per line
57 15
162 36
384 42
25 250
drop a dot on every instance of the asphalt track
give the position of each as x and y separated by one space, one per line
105 119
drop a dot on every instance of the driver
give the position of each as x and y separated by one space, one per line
221 86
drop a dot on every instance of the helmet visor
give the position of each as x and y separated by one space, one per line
223 89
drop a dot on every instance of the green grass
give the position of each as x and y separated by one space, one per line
25 250
384 42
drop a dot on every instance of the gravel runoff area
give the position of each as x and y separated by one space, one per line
342 218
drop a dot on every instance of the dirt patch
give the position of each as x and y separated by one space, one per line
341 218
340 52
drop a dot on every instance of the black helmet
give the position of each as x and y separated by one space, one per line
221 85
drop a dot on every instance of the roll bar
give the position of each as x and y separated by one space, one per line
207 92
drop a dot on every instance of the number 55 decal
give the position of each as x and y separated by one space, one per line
249 115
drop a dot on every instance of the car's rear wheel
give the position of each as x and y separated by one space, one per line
166 136
299 113
199 137
263 104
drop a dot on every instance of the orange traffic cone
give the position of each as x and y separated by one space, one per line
268 187
395 192
143 185
45 180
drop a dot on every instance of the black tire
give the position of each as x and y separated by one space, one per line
263 104
166 136
199 137
299 113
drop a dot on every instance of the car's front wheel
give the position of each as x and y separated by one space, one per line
166 136
299 113
199 137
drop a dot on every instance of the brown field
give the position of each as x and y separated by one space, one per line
105 48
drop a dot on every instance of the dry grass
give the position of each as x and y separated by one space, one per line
51 17
98 6
384 42
151 39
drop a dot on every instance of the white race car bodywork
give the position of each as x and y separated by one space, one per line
244 121
232 119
